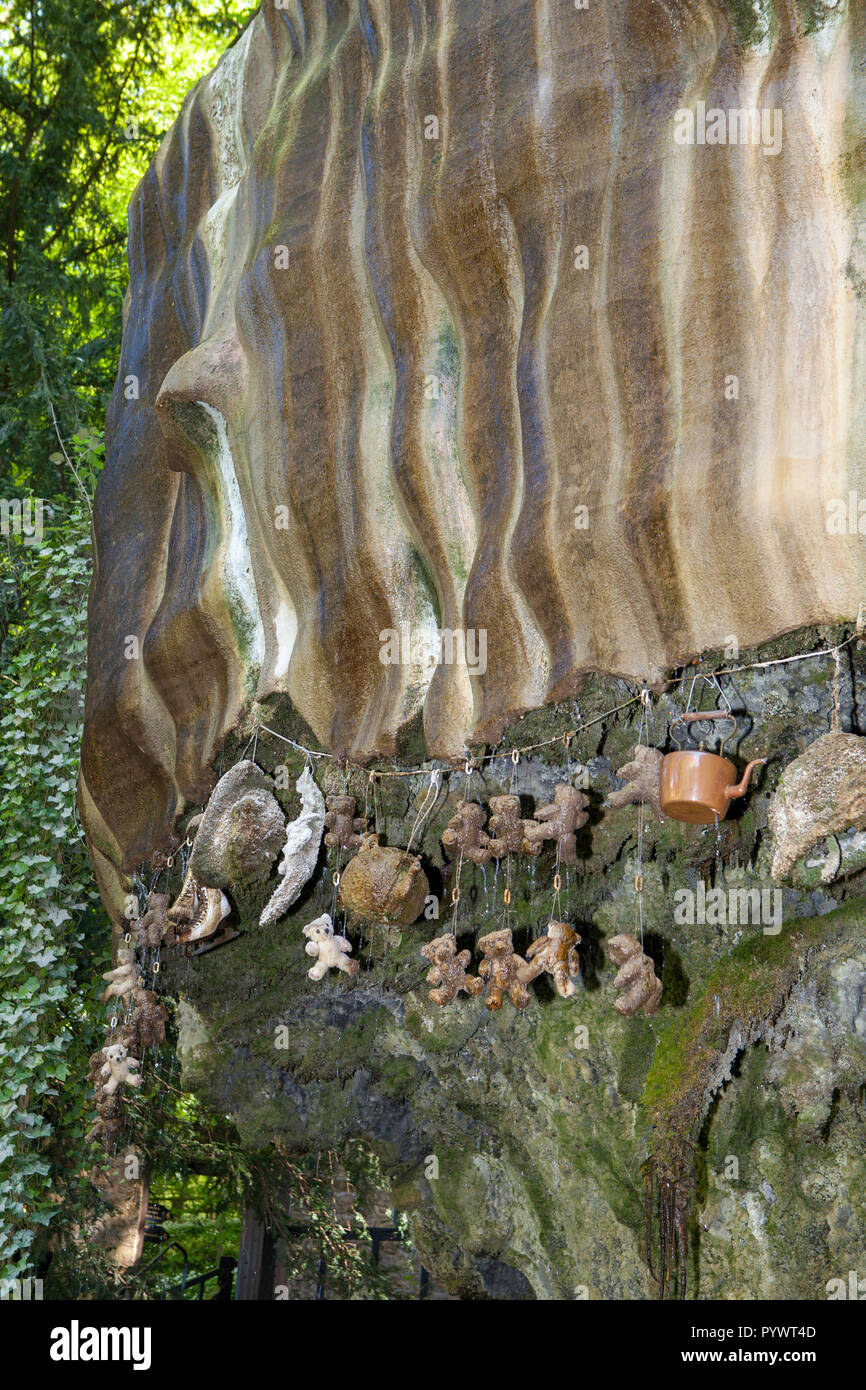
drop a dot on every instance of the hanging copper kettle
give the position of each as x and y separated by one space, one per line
697 786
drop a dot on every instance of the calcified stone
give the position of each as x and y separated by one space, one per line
300 851
371 381
383 883
820 793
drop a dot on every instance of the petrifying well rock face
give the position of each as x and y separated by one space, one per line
370 379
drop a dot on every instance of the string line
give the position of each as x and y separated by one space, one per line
567 735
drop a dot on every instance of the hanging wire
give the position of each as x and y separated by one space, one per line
836 678
582 724
455 894
642 738
425 808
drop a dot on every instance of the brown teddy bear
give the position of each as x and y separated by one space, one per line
449 970
152 928
146 1028
555 953
560 819
637 977
642 779
108 1125
465 835
344 829
511 835
501 969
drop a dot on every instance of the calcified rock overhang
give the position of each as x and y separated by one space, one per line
443 316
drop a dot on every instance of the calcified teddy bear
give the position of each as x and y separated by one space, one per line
511 835
501 968
146 1028
343 829
555 954
124 978
560 819
448 970
642 991
642 781
465 835
152 929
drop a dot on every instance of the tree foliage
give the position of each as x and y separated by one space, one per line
47 892
87 90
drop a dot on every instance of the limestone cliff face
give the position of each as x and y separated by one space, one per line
433 321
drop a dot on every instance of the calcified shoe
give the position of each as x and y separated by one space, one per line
198 911
182 912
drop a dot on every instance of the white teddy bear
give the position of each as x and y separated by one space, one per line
119 1068
331 951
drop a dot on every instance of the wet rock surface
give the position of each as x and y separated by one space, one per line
517 1140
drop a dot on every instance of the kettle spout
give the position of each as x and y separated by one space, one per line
740 788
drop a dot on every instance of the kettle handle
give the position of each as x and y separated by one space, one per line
691 716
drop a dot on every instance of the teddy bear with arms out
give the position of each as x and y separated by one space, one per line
448 970
124 978
119 1069
556 954
501 969
330 951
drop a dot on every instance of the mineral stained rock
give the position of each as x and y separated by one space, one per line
756 1052
444 322
819 794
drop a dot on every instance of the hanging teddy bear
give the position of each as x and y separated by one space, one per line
151 929
108 1125
448 970
642 781
119 1069
464 834
124 978
555 954
344 830
94 1069
330 951
146 1028
560 819
511 835
637 977
501 969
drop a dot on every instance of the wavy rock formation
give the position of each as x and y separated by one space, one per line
438 328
